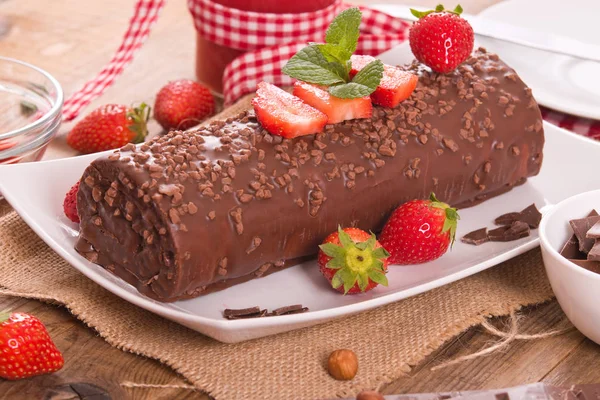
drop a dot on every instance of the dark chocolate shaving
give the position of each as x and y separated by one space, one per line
293 309
532 216
571 250
580 228
502 396
256 312
594 231
517 230
476 237
507 219
242 312
594 254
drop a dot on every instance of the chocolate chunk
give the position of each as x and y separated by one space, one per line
516 230
241 312
593 266
594 231
502 396
571 250
507 219
594 254
580 228
293 309
532 216
477 237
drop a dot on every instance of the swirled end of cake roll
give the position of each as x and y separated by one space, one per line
192 212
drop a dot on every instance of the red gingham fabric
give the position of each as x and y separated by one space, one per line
582 126
145 15
267 40
272 39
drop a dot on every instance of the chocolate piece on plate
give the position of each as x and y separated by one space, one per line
594 231
571 250
293 309
516 230
594 254
580 228
532 216
508 218
502 396
476 237
250 312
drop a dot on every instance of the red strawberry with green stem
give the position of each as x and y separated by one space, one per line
109 127
353 261
26 348
419 231
441 39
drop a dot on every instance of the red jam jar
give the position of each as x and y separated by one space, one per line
211 58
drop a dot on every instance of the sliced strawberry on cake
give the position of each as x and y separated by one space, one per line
336 109
395 86
285 115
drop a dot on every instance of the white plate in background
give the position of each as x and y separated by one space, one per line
559 82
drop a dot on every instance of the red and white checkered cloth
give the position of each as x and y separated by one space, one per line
269 41
140 24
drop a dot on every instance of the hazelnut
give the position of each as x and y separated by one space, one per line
342 364
369 395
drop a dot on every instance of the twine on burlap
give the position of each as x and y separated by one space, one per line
388 340
508 338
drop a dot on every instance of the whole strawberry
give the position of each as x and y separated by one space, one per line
353 261
109 127
70 204
183 104
419 231
26 348
441 39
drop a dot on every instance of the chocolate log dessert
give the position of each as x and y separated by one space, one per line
193 212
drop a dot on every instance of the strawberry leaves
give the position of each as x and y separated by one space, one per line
355 262
329 63
439 8
138 117
452 217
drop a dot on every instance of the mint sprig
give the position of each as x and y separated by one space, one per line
329 63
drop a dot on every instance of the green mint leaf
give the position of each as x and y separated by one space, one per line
363 84
310 65
344 29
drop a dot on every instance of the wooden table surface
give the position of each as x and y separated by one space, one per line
73 39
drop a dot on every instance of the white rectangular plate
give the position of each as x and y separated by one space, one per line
36 191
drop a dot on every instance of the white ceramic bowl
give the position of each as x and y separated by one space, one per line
577 289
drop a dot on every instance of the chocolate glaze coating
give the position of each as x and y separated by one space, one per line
192 212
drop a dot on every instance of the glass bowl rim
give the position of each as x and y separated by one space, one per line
51 114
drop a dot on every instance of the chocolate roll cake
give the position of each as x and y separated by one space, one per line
193 212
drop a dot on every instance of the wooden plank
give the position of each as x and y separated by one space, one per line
522 362
580 366
89 360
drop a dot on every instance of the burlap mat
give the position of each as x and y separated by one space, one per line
387 340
